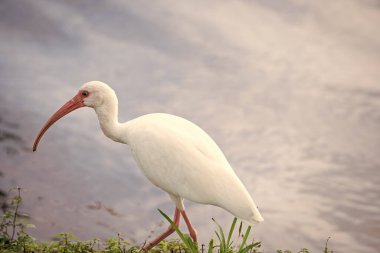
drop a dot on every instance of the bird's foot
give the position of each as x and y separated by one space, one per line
147 247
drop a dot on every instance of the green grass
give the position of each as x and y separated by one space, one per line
14 238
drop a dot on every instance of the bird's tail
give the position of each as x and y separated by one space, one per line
256 216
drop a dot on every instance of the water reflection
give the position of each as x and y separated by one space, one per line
288 90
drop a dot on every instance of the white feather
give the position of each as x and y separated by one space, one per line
176 156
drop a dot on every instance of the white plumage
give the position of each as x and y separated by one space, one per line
173 153
181 159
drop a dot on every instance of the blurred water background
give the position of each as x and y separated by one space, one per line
288 89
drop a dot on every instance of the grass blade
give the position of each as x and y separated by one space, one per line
231 231
222 239
245 238
240 227
221 246
210 246
189 244
249 247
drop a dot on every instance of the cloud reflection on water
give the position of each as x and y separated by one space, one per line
288 89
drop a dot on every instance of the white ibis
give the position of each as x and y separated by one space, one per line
173 153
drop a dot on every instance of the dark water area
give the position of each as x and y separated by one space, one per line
289 90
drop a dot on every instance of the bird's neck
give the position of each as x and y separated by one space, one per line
109 123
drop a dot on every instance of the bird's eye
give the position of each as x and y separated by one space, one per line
84 93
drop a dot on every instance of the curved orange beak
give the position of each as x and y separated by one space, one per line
75 103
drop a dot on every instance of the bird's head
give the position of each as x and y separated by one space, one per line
95 94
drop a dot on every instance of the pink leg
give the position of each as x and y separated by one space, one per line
192 231
165 234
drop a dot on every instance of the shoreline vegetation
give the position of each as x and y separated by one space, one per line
15 239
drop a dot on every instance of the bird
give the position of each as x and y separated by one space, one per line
175 155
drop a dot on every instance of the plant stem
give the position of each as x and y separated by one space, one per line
18 200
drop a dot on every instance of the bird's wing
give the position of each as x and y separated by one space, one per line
180 158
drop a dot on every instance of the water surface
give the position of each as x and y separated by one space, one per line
289 90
